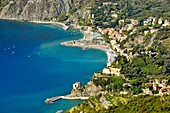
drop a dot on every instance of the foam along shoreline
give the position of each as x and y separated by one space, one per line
87 42
110 53
65 27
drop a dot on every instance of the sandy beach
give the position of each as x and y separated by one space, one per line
65 27
50 22
85 43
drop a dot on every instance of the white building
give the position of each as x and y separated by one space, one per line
110 70
166 23
76 85
160 21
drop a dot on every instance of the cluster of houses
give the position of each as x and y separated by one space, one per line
154 20
131 26
113 34
119 35
161 86
151 21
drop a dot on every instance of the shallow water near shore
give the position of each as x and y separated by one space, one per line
34 66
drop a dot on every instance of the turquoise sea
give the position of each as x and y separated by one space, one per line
34 66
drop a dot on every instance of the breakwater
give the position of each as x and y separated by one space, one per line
53 99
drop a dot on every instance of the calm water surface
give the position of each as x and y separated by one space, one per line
34 66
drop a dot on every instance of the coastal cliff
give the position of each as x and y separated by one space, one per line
35 10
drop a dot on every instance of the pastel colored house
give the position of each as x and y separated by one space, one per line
110 70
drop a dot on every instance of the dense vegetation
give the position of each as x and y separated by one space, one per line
150 57
3 3
110 83
125 104
128 9
144 104
155 64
